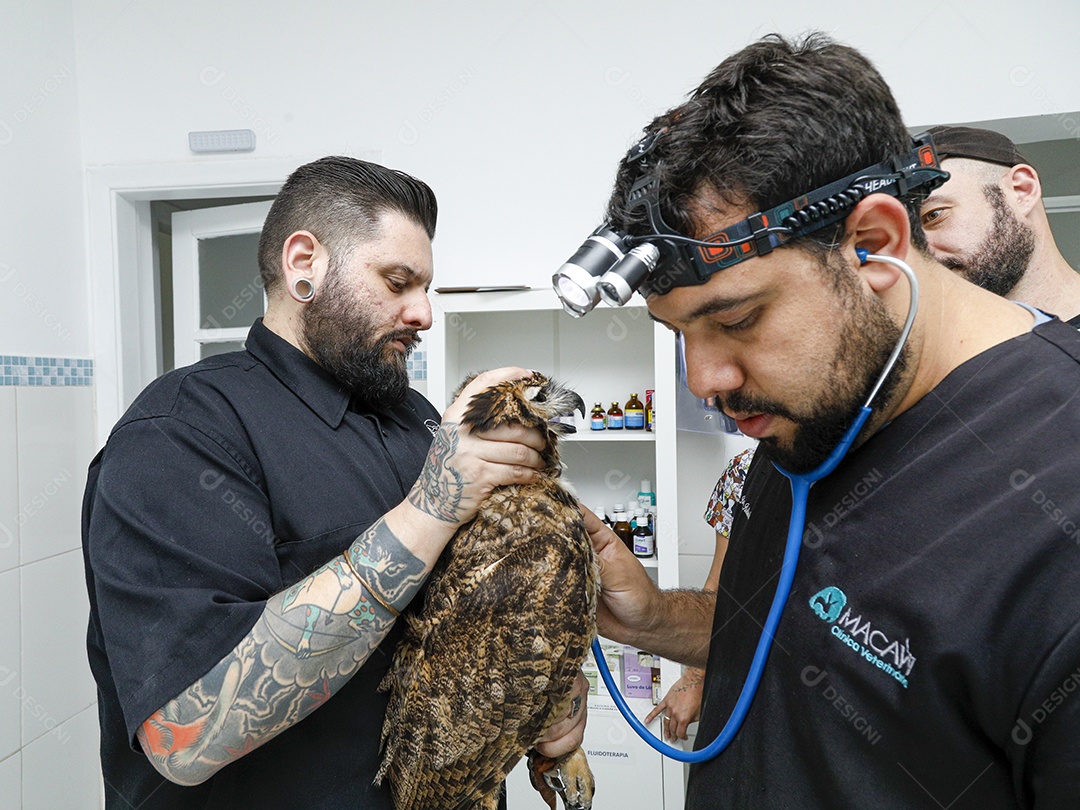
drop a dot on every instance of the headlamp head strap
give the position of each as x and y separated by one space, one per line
693 261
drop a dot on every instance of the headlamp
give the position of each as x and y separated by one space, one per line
576 282
612 265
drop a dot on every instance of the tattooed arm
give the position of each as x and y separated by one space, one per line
314 636
310 640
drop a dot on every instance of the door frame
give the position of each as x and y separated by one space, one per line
121 276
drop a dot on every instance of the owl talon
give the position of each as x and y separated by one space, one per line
572 779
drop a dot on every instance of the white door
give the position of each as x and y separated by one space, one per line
217 290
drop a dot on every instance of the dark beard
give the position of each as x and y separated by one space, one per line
867 340
1001 260
341 338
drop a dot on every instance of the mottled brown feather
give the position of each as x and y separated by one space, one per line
487 665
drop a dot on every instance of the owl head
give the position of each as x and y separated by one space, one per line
533 401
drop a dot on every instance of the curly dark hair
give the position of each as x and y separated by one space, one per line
775 120
340 199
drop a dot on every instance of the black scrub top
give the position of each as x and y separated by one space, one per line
224 483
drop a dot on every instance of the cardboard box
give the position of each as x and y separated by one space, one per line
637 674
613 657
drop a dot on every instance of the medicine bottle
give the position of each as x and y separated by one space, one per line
646 497
622 529
644 541
634 414
650 419
598 418
615 417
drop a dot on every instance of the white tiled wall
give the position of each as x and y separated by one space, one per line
55 445
9 482
58 770
10 668
11 780
56 680
48 715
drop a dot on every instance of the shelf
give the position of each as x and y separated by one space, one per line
610 436
604 357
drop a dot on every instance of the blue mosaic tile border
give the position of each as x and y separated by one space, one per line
416 365
17 370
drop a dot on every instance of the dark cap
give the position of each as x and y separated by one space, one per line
975 144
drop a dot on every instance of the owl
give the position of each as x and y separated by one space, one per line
487 663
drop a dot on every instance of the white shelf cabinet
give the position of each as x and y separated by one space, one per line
604 356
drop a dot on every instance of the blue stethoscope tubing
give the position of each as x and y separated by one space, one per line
800 493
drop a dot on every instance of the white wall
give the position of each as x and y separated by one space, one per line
48 722
42 267
515 112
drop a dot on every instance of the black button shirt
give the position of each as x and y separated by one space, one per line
223 484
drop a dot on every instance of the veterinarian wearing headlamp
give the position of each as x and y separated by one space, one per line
929 652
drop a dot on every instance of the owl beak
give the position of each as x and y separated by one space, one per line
564 402
579 404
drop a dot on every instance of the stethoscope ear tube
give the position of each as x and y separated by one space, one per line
800 494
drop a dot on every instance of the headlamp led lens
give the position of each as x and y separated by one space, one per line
619 283
576 289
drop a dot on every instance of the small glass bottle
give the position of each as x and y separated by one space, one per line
649 395
622 529
601 513
634 414
644 541
598 419
615 417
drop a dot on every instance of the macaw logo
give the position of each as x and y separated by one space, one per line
828 603
892 656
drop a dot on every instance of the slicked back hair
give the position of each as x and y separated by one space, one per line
340 200
775 120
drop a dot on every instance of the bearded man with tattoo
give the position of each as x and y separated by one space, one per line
257 521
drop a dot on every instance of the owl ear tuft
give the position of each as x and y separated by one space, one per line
485 409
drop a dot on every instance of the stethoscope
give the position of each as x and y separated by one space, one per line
800 493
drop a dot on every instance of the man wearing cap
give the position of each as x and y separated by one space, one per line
988 223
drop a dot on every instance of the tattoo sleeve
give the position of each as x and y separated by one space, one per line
439 489
310 640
